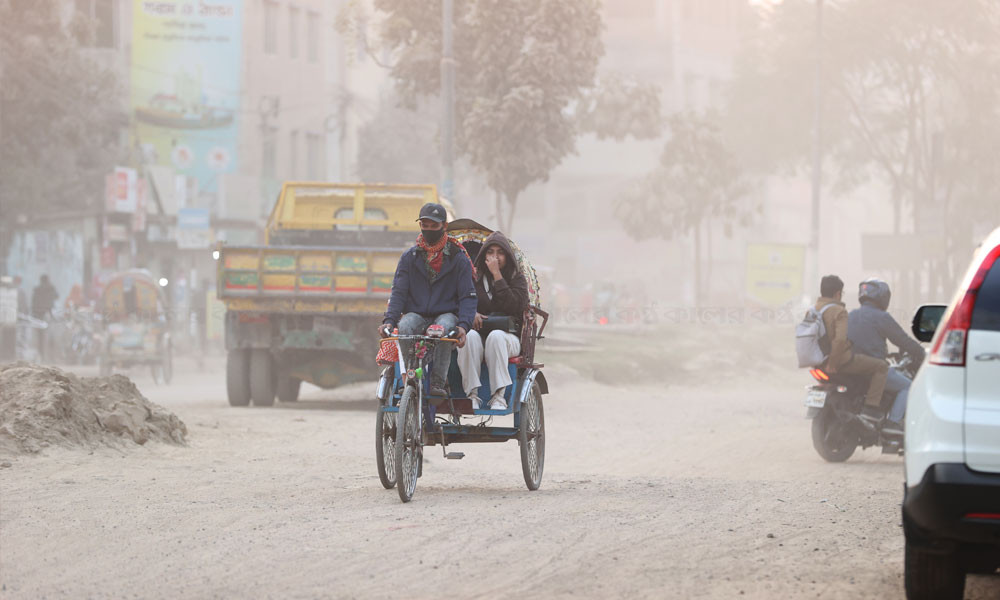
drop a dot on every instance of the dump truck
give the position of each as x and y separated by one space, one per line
305 306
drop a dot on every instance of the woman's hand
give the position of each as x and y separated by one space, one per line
493 264
477 323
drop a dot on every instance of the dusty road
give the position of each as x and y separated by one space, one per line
648 493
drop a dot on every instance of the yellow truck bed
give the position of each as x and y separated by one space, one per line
306 279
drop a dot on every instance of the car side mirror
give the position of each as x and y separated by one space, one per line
926 321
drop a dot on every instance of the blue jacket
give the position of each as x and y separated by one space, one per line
452 291
868 327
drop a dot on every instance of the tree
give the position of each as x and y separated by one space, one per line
398 145
60 114
912 98
618 107
522 68
698 182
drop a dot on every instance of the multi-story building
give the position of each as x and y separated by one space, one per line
224 100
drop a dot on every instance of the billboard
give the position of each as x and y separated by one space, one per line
185 90
774 273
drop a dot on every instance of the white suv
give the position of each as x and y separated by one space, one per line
951 505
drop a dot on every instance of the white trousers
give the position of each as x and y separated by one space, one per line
499 348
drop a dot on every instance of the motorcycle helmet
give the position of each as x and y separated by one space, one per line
876 292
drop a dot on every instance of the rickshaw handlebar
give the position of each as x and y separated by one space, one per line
418 337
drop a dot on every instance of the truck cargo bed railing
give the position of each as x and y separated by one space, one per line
306 272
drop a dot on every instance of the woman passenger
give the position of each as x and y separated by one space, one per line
502 291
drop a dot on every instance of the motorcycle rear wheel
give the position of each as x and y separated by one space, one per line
833 437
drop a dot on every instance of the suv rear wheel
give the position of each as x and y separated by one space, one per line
932 575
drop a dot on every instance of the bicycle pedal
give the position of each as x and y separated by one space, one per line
455 455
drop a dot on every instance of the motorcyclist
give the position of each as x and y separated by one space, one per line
868 328
842 357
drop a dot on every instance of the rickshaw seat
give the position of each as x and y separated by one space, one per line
455 382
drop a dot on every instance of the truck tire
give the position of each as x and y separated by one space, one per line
238 377
288 388
262 380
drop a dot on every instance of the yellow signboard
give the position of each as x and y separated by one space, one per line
774 273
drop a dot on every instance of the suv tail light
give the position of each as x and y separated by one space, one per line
949 344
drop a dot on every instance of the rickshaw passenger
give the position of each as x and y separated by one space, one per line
502 291
433 284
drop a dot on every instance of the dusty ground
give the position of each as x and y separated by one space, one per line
649 492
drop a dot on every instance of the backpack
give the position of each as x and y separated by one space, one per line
812 345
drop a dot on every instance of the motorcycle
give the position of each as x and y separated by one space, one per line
834 405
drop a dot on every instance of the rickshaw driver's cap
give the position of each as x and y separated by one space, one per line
434 212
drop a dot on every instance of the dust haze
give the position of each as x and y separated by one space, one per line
677 176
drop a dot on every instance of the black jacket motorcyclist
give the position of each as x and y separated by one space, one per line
870 326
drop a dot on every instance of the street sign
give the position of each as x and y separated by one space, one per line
120 194
774 273
194 228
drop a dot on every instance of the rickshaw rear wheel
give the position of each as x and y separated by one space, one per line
262 388
238 377
408 450
531 438
385 447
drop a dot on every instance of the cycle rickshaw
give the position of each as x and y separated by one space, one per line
137 328
406 422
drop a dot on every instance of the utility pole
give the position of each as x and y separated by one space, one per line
817 169
447 104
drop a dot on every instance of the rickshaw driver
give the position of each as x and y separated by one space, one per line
433 284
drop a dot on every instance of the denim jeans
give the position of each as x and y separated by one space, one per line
414 324
900 384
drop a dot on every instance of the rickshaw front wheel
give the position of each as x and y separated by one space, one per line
408 450
385 447
531 438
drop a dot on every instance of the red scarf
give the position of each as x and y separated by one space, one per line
435 253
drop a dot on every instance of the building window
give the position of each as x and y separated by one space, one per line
270 28
312 34
293 32
293 155
100 20
269 154
314 157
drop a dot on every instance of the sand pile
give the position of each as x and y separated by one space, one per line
45 406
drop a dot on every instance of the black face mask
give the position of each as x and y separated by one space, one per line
432 236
